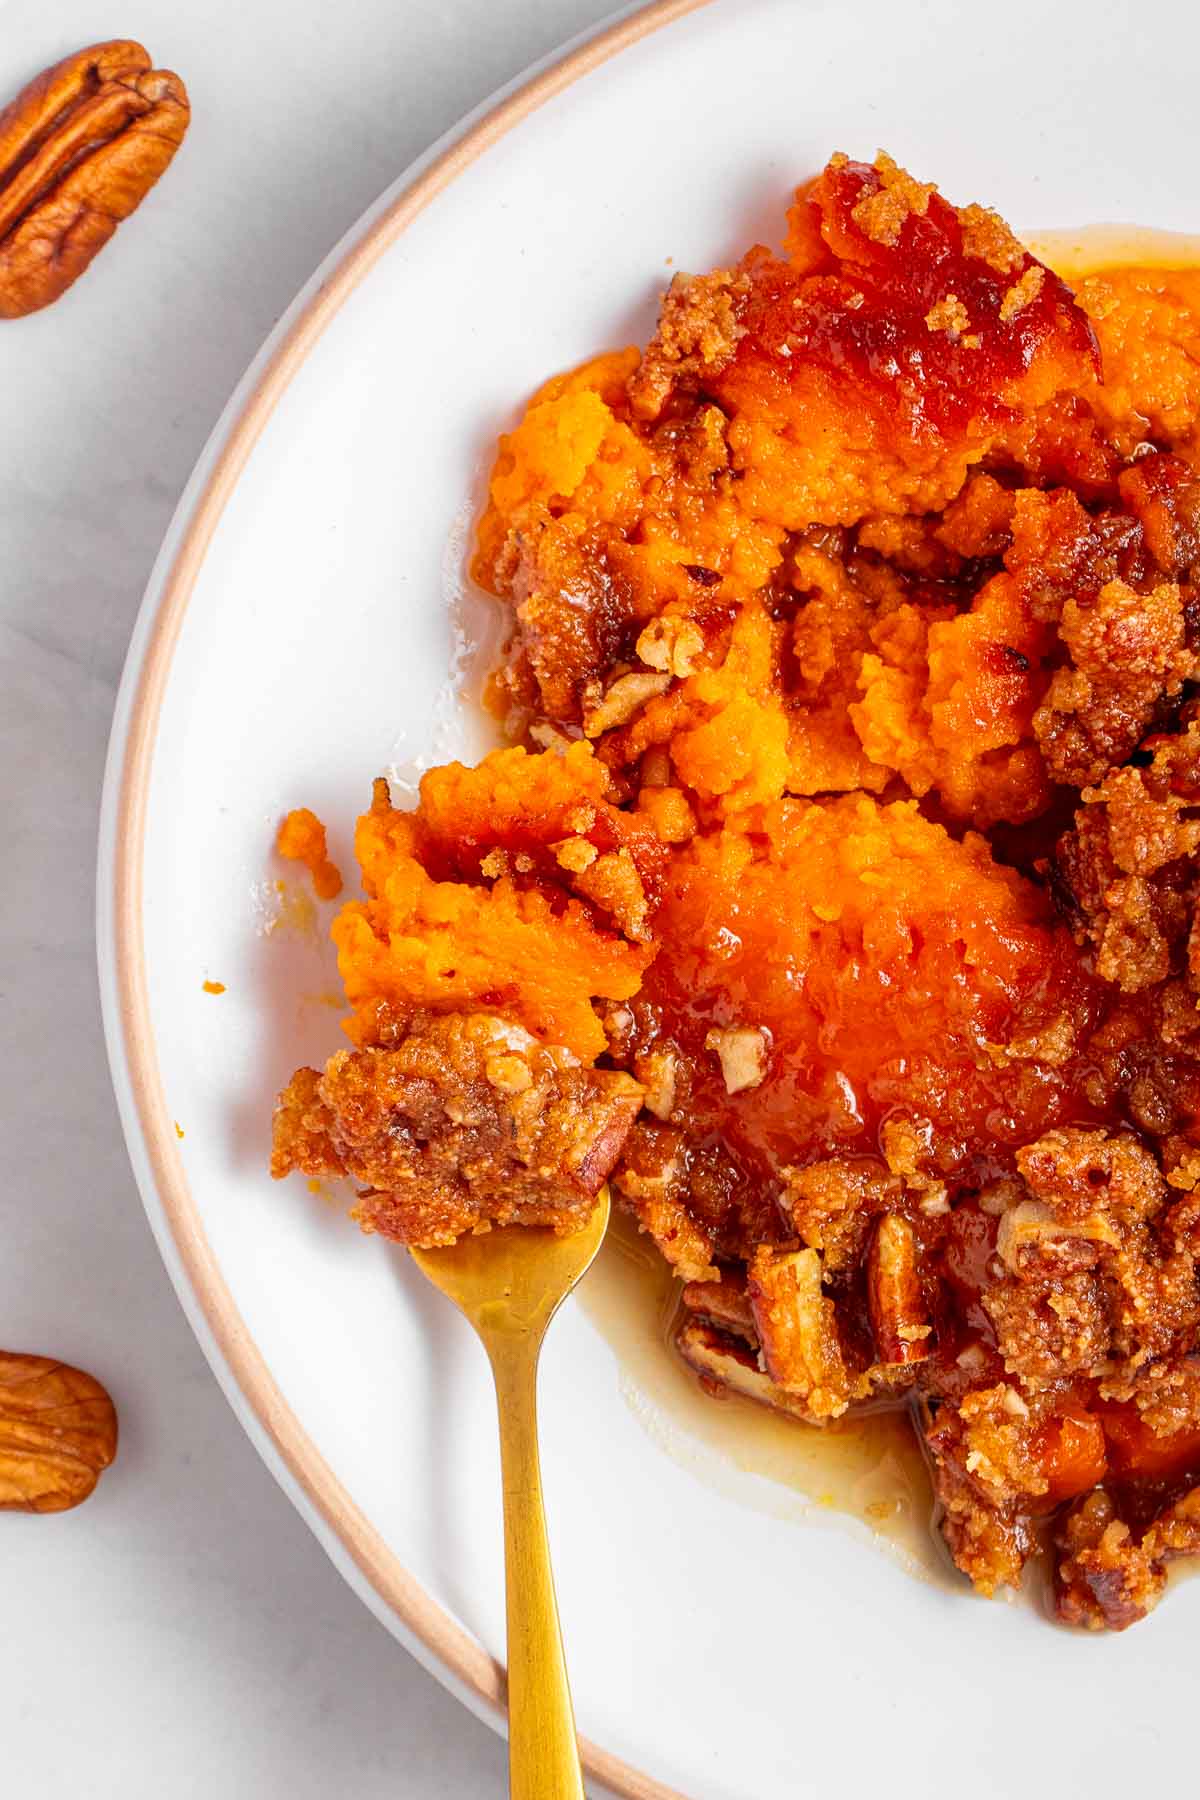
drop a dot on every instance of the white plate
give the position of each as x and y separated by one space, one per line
296 639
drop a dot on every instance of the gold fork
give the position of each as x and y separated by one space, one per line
509 1283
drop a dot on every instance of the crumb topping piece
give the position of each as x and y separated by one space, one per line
466 1123
896 197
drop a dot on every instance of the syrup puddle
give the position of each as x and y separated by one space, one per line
1088 249
868 1476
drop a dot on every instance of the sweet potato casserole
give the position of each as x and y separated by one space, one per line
836 898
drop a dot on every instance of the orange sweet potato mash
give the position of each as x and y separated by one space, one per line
837 897
301 838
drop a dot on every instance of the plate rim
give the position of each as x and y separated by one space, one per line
376 1573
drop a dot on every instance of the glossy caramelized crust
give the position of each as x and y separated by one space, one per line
842 891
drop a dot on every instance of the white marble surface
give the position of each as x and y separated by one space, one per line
182 1634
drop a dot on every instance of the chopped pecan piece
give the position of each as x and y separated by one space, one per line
723 1363
724 1303
1031 1232
658 1071
899 1318
58 1433
671 645
80 147
623 701
742 1052
797 1328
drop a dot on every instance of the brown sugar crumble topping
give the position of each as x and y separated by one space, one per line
889 201
1022 292
986 238
948 315
840 902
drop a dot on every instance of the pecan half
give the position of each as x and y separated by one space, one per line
80 147
58 1432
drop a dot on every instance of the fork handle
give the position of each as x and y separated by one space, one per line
543 1755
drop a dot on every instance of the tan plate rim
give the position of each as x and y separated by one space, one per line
445 1646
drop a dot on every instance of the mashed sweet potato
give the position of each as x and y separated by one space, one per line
839 900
